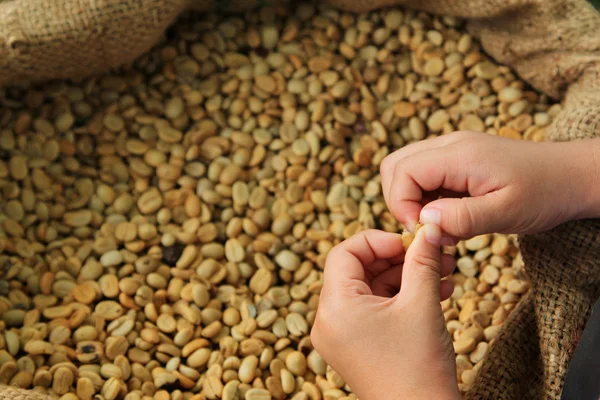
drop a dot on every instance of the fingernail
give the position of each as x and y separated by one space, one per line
433 234
430 216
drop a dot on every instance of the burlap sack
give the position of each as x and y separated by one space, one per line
553 44
57 39
13 393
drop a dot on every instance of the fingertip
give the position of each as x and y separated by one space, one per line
410 225
430 215
405 211
433 234
423 265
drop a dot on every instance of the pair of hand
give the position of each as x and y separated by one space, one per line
379 323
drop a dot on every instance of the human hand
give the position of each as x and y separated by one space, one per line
380 324
488 184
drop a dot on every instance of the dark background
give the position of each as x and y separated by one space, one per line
596 3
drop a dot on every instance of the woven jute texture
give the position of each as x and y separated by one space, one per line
51 39
553 44
65 39
12 393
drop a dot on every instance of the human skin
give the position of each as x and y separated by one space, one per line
380 324
492 184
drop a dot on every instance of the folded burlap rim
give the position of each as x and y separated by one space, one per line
552 44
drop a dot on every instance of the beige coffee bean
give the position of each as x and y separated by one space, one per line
404 109
212 387
150 201
247 370
18 167
109 310
234 251
22 379
166 323
58 312
296 363
316 363
12 342
85 388
296 324
266 83
111 388
288 382
13 317
344 116
261 281
111 258
84 293
269 36
230 390
287 260
517 286
468 308
464 346
490 274
479 353
198 358
258 394
113 122
437 120
62 381
77 219
434 66
478 242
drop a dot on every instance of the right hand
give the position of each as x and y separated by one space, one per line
473 183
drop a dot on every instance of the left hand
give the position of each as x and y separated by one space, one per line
380 324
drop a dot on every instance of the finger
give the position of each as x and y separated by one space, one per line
399 259
467 217
388 164
346 262
418 174
446 290
387 284
376 268
448 265
449 240
428 197
422 270
452 194
389 281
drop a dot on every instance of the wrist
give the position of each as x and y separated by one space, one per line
586 178
438 393
446 391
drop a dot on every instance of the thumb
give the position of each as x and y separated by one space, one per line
421 273
466 217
